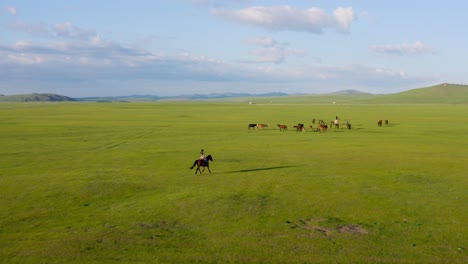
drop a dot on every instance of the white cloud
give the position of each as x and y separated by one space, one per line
274 54
269 54
344 17
105 61
262 41
68 30
270 51
404 49
287 18
34 29
24 59
64 30
80 58
11 10
112 66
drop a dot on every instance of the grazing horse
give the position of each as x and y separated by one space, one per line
202 163
379 123
252 126
260 126
283 127
322 128
348 126
386 122
300 127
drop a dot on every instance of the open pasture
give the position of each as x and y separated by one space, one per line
110 183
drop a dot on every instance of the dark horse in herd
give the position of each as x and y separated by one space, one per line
202 163
379 123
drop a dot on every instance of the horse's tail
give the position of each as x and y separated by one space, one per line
194 164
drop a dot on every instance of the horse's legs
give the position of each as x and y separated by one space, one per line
208 168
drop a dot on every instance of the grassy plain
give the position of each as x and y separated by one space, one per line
110 183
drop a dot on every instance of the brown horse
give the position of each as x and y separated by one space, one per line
300 127
322 128
379 123
283 127
202 163
261 126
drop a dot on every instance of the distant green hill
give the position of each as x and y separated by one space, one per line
35 98
439 94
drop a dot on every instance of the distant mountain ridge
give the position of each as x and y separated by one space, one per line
349 92
178 97
441 93
35 97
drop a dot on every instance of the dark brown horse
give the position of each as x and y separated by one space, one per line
202 163
300 127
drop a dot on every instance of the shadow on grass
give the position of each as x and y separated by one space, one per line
261 169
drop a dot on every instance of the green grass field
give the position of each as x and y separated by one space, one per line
110 183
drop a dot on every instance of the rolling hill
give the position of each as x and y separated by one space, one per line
439 94
35 97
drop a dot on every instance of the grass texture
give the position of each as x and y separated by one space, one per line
110 183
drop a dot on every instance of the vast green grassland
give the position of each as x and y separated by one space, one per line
110 183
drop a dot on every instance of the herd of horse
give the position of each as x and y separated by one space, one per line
321 125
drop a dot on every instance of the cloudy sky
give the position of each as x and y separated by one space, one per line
85 48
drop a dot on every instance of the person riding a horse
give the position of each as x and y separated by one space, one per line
202 157
202 162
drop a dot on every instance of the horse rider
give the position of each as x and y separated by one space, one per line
202 156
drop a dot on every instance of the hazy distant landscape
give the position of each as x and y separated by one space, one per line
442 93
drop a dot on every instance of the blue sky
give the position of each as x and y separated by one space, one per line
171 47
